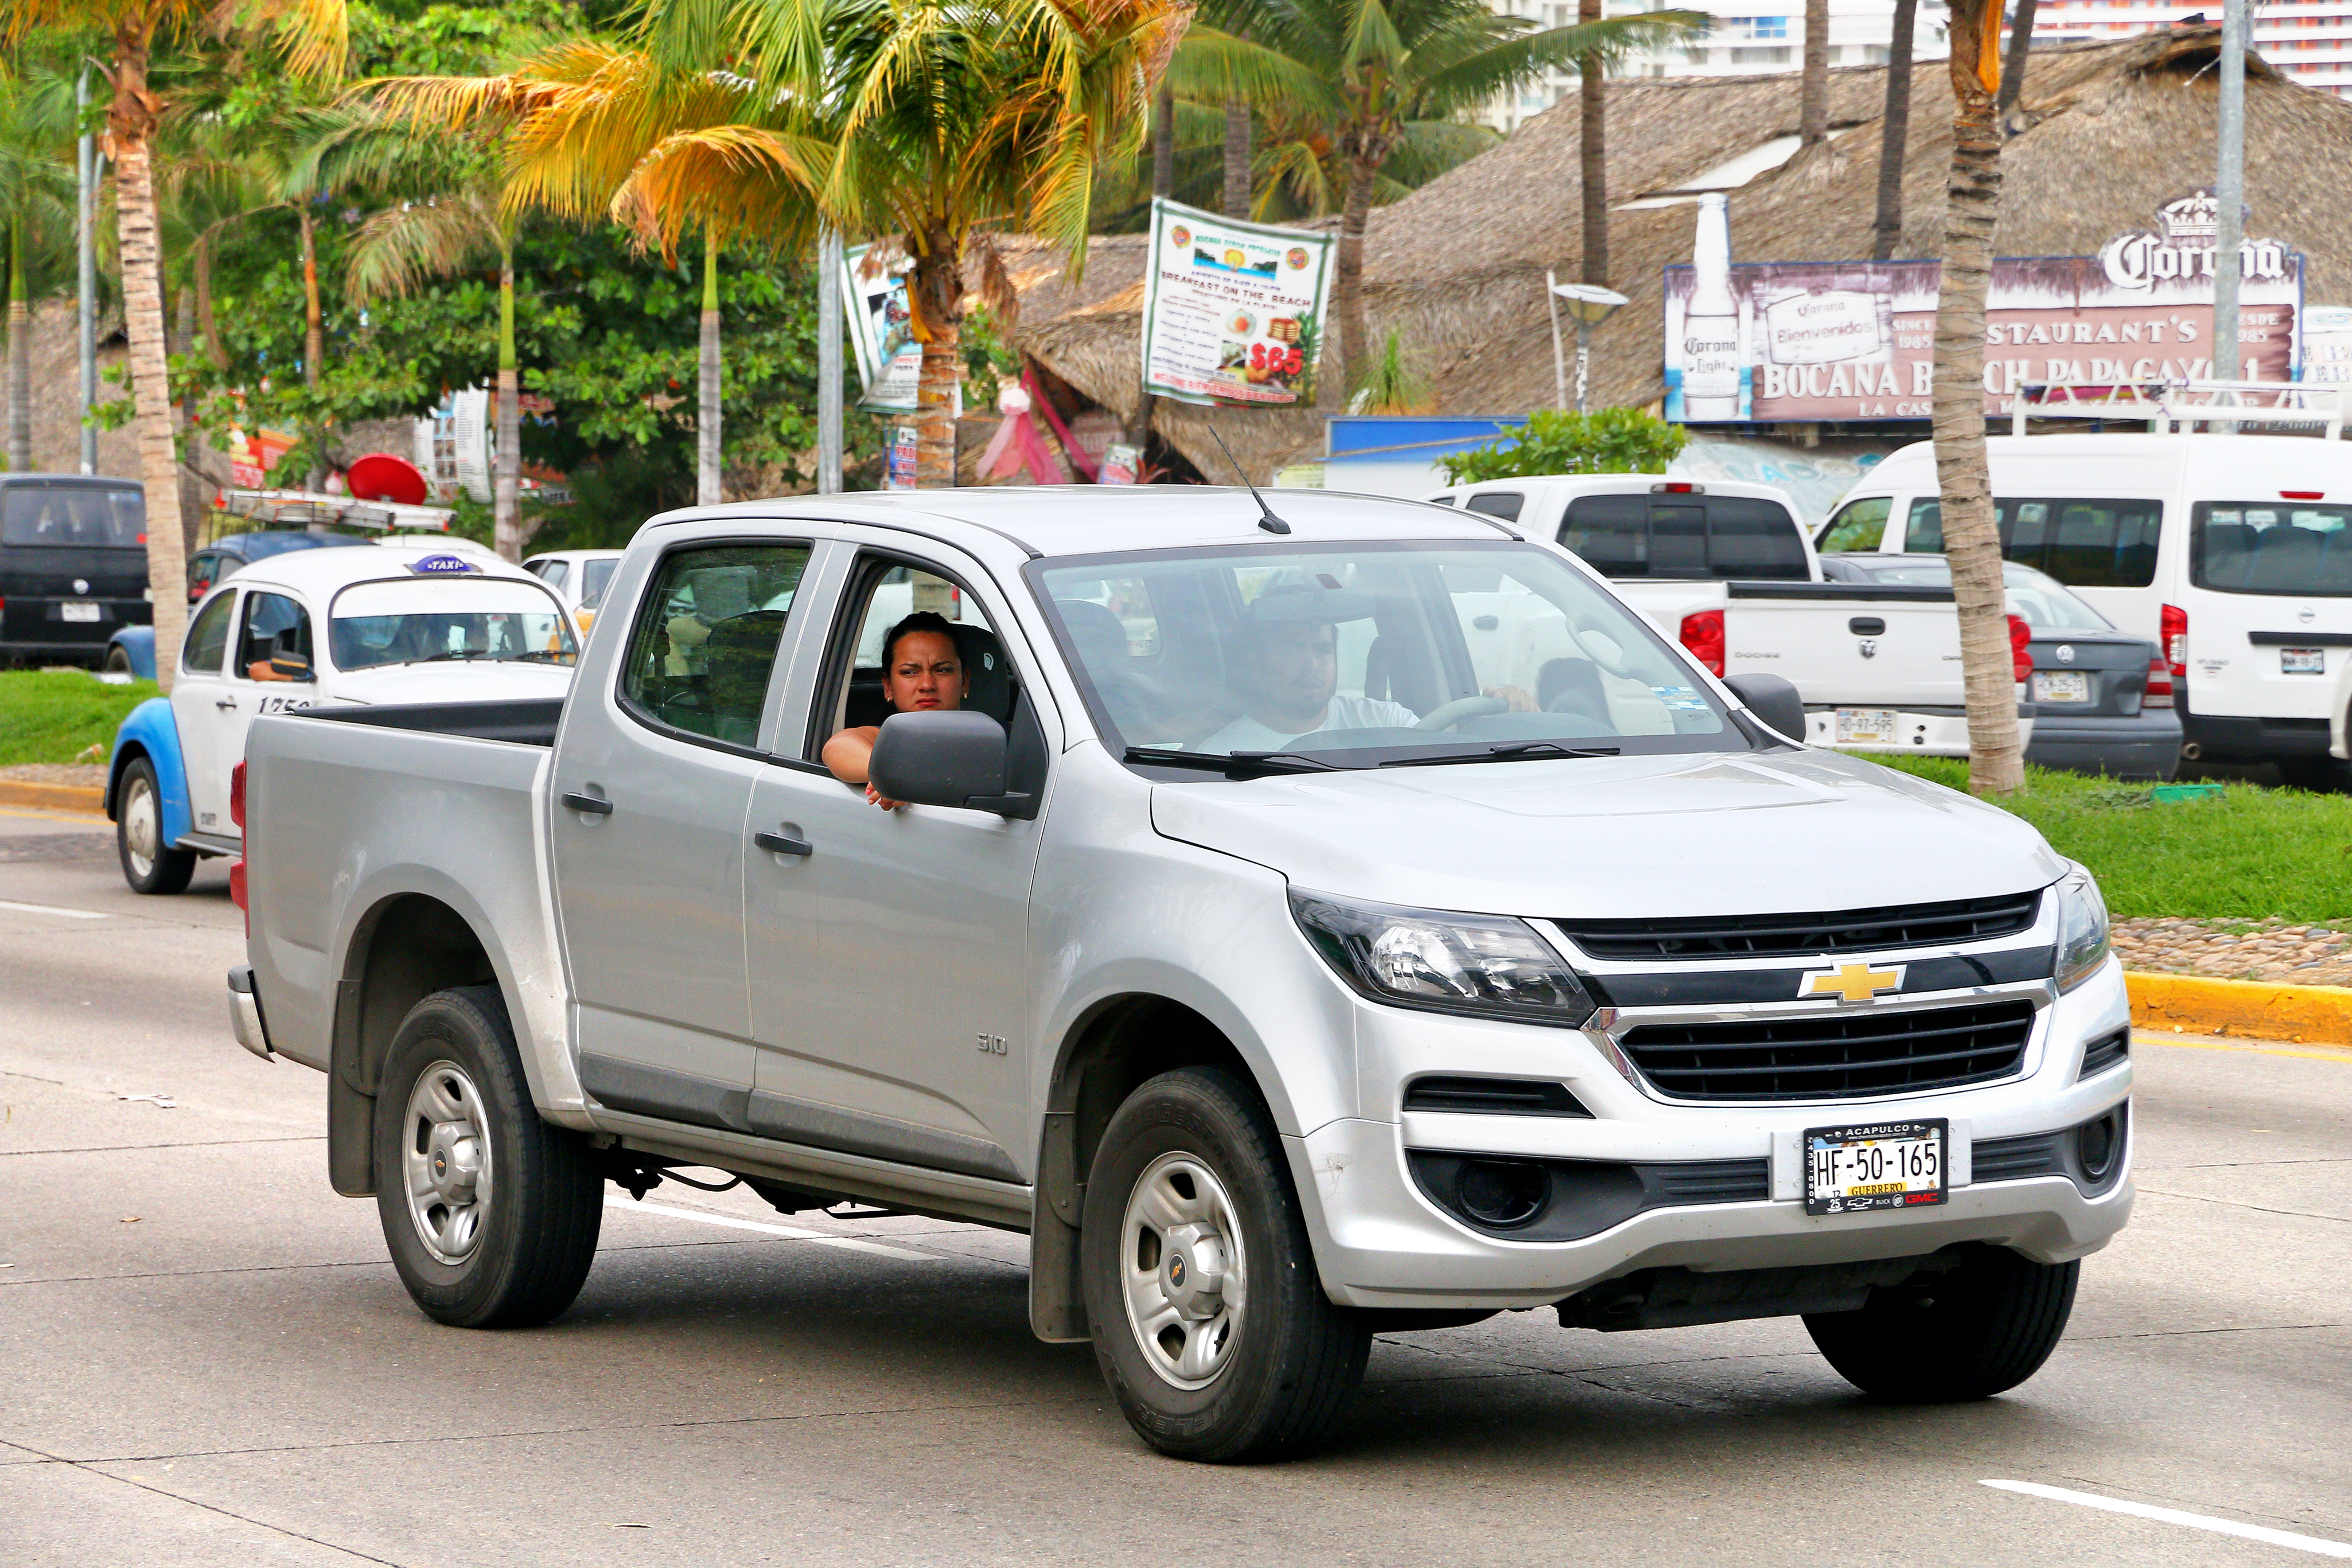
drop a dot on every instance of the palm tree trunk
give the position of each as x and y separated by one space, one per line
1163 184
2012 69
20 356
208 323
506 480
1895 133
1813 96
314 348
1592 152
132 121
1348 289
935 292
1971 542
1237 158
707 486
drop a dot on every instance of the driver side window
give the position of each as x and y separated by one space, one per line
274 625
1859 526
885 592
705 643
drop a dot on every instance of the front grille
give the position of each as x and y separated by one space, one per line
1493 1097
1837 1057
1803 936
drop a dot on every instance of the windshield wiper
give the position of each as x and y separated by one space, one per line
1235 765
1512 751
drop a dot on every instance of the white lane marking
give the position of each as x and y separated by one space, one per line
52 909
2287 1538
854 1243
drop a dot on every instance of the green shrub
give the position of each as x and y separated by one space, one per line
1609 441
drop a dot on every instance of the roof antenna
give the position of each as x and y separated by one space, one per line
1266 520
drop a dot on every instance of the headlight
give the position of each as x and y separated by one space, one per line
2082 930
1489 966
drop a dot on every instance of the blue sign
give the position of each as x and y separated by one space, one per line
441 566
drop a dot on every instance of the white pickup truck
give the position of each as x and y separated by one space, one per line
1274 963
1725 567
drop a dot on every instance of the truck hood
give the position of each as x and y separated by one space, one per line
451 683
1620 838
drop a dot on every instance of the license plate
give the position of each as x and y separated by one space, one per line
1866 726
2303 661
2061 686
76 612
1893 1164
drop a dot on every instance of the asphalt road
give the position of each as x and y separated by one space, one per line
205 1357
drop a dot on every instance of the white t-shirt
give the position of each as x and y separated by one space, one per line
1246 734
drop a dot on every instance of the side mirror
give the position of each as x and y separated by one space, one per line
292 667
951 758
1772 699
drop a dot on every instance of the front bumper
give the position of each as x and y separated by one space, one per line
1380 1242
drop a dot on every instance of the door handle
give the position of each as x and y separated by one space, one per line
226 702
594 805
783 844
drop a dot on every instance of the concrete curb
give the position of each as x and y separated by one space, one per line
2260 1010
53 797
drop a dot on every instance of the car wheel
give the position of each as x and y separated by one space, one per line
149 866
491 1212
1972 1332
117 660
1207 1314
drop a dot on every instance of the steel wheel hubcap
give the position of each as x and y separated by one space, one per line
141 835
1184 1272
445 1159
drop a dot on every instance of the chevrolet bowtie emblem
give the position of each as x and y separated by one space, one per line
1851 982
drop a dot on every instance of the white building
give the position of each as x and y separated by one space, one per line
2308 41
1751 37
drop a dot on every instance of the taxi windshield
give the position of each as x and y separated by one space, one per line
455 619
1371 654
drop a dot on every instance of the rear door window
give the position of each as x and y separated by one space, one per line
2084 542
79 515
705 643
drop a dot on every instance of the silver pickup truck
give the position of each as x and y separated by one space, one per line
1290 960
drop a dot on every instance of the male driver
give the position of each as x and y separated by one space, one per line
1289 670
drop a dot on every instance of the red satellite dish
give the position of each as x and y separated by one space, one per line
381 477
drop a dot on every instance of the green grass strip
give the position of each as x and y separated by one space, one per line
56 716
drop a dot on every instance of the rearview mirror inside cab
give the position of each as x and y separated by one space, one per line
950 758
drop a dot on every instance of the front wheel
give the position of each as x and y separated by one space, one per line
149 866
1208 1317
1971 1332
491 1214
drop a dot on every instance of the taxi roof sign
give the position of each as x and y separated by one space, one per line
442 565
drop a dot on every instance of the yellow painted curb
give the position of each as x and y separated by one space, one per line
2259 1009
53 797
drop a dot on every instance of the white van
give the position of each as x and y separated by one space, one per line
2232 552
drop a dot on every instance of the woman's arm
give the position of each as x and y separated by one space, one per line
847 755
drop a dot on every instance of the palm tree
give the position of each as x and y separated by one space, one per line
1374 69
1895 132
1813 90
956 121
2012 69
1996 760
35 195
312 32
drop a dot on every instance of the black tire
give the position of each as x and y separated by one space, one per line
139 835
533 1237
118 661
1939 1339
1295 1357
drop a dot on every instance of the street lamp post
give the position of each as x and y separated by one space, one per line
86 266
1590 305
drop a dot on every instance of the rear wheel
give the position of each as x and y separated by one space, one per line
491 1214
1208 1317
149 866
117 660
1979 1329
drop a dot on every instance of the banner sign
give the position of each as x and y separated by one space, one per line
1233 312
1850 340
2327 344
881 329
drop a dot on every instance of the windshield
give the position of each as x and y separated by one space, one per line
2269 546
417 619
2040 598
82 515
1365 655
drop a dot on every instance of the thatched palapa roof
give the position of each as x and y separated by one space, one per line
2109 131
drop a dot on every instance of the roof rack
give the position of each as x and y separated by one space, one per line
2184 405
298 508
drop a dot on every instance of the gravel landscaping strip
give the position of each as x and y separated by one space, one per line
2297 952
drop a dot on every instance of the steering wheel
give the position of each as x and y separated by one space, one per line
1450 714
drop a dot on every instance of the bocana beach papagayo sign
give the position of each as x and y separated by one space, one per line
1840 340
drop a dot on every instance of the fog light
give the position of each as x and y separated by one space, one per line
2097 1144
1501 1192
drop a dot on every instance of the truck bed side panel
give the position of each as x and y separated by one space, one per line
343 818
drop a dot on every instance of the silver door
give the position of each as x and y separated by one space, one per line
888 950
651 784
